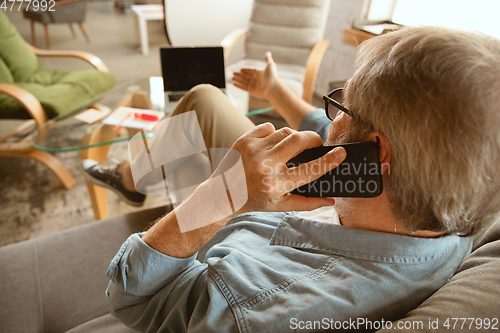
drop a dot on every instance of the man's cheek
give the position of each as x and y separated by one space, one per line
335 133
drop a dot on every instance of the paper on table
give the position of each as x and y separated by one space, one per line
91 115
117 116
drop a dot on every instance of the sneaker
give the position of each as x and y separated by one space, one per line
106 175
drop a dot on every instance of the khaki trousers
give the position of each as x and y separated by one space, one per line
220 122
221 125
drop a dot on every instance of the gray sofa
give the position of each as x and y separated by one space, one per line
56 283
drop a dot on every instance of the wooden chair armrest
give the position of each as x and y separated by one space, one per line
312 68
88 57
230 40
27 100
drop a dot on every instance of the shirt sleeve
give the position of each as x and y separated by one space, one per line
148 288
316 121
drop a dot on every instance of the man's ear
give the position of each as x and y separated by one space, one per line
385 151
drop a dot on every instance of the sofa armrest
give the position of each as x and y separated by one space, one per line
58 282
86 56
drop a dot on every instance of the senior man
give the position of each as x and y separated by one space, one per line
430 96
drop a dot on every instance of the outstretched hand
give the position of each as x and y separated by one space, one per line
259 83
265 152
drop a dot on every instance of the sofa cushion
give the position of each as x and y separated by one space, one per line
15 52
58 282
472 292
102 324
58 91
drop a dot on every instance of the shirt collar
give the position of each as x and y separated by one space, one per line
334 239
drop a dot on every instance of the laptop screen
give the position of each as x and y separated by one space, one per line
184 67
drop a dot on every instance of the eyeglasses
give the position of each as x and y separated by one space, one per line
334 101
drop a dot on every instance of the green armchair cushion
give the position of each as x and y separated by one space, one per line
5 74
15 53
58 91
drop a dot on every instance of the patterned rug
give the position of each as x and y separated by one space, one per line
33 202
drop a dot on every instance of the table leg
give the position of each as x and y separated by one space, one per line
137 28
143 30
98 195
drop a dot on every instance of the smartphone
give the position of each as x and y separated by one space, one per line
358 176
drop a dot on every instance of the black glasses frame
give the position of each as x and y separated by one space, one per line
329 100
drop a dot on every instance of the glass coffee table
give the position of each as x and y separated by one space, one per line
66 133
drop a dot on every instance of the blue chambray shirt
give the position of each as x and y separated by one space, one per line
278 272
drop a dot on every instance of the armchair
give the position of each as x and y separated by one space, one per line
63 11
292 31
28 91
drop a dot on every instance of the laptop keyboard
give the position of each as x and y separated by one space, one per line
174 97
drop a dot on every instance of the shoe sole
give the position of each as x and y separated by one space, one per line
100 183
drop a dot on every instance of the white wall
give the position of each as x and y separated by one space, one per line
338 62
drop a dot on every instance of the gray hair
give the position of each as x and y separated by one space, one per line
435 93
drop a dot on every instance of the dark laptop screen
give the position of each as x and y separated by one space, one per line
184 67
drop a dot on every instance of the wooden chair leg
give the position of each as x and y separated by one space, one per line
54 165
99 199
33 36
47 37
84 33
72 30
49 161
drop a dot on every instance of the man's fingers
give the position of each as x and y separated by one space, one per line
248 71
237 85
279 135
260 131
296 142
312 170
238 82
269 58
240 77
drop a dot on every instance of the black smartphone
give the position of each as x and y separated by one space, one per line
358 176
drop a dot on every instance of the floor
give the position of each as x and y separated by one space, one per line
33 203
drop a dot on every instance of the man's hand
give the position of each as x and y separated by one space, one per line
265 152
267 85
259 83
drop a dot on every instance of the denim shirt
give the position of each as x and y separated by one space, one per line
279 272
316 121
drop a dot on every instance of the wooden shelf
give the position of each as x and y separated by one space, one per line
355 37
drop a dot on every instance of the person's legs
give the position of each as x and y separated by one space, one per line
220 123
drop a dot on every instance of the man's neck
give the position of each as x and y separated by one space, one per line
374 214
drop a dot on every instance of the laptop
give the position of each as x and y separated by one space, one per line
185 67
